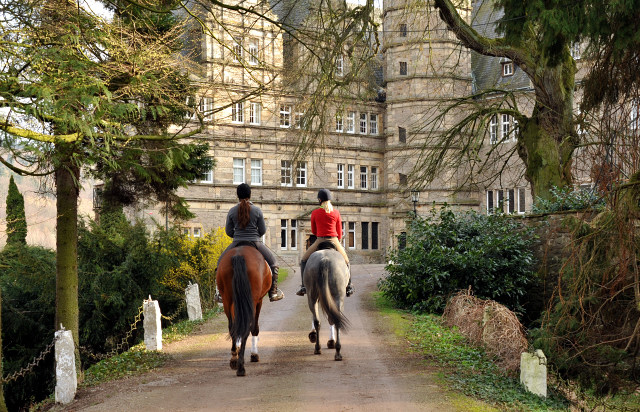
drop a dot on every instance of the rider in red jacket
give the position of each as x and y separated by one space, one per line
326 224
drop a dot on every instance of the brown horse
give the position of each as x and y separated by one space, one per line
243 279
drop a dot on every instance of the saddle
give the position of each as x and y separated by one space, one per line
327 244
246 243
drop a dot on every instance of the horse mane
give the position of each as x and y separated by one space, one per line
327 244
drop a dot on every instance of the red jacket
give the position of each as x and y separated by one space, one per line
326 224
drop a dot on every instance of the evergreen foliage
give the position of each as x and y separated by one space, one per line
27 283
16 218
449 251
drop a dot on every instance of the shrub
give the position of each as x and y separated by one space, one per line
449 251
569 199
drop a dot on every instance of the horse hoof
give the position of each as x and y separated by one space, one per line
313 336
255 357
317 352
241 372
331 344
338 357
233 364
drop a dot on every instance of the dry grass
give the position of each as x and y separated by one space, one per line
489 324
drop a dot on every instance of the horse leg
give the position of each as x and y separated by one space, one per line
233 363
316 325
254 336
338 356
241 371
331 343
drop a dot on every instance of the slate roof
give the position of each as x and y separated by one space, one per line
486 70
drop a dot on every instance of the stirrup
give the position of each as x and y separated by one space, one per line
301 291
278 295
217 298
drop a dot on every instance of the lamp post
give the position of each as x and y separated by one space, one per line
415 196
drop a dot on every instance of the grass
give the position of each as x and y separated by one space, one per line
464 368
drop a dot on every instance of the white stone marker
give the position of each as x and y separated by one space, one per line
66 379
192 295
152 325
533 372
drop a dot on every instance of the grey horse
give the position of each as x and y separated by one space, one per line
326 277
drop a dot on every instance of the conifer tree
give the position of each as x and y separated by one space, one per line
16 219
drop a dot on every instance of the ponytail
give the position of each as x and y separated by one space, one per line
244 213
327 206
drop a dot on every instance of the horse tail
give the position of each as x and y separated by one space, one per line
243 309
328 304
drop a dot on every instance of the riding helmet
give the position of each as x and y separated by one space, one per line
324 195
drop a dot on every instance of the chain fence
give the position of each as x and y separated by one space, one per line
31 366
119 348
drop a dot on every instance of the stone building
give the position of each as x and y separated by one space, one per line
255 120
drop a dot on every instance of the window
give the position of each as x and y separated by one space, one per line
197 232
511 201
521 200
402 240
506 127
402 179
206 108
351 122
299 121
364 226
285 115
363 123
403 30
253 51
207 177
255 109
237 49
402 135
374 235
403 68
237 112
575 50
363 177
634 116
238 171
339 124
256 172
493 130
186 231
340 65
351 236
350 176
294 235
507 69
340 176
489 201
285 173
500 203
344 237
373 179
373 123
301 174
284 231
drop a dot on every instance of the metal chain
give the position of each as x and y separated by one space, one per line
124 343
31 366
176 313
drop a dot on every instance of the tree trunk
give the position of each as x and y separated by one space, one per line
3 406
67 192
548 138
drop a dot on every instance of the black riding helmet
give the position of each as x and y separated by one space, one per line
324 195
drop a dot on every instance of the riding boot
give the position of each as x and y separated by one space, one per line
275 293
350 289
217 298
302 289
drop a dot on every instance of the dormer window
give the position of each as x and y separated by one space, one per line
507 68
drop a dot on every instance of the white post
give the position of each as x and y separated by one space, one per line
533 372
192 296
152 325
66 379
